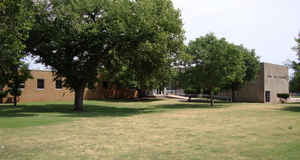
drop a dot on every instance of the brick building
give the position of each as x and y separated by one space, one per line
43 88
271 80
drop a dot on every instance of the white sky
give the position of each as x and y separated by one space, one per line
268 26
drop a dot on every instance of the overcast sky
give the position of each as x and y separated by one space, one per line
268 26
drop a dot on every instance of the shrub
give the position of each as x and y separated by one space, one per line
3 94
12 92
283 95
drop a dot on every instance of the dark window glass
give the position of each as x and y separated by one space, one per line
91 86
105 84
58 84
40 83
22 85
268 96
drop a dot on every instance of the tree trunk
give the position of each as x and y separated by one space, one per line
141 93
79 92
212 102
15 100
190 98
232 94
16 86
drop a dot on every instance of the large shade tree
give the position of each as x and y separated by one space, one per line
154 41
127 77
79 38
15 22
248 74
214 64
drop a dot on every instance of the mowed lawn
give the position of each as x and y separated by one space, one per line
158 129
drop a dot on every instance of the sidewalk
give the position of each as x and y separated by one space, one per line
176 97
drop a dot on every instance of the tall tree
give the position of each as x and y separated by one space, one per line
19 75
215 62
15 22
297 48
295 65
295 81
155 42
249 71
79 38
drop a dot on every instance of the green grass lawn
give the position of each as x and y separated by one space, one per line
150 130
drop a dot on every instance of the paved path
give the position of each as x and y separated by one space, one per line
175 96
294 100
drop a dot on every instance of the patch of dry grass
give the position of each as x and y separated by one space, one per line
164 129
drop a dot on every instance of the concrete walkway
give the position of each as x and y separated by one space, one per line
176 97
294 100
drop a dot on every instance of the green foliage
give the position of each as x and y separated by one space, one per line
295 81
16 21
156 41
18 74
15 92
3 94
250 68
192 91
283 95
129 41
297 48
214 64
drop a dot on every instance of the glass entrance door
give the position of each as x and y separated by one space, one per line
268 96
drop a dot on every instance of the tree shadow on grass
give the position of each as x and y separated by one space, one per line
291 108
143 100
65 110
204 101
190 106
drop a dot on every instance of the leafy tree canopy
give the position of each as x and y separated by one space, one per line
214 64
79 38
295 81
15 22
248 73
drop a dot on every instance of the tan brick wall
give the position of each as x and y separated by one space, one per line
100 93
49 94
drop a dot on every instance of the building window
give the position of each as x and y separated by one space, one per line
22 85
40 83
91 86
58 84
105 84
